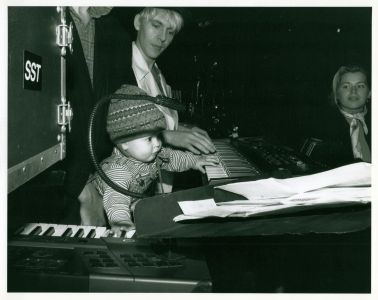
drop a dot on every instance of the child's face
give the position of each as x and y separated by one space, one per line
144 149
353 92
154 35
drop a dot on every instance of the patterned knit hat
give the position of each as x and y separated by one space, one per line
132 115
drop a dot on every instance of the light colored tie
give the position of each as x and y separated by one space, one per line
171 115
156 74
356 123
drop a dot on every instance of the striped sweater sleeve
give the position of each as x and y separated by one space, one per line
117 205
179 161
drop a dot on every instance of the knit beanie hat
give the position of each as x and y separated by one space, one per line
132 115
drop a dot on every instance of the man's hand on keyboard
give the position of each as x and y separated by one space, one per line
193 139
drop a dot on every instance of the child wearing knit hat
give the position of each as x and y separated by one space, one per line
134 124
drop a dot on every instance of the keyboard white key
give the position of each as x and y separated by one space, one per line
101 232
59 229
28 228
231 163
44 228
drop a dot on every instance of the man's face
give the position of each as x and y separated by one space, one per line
154 35
353 92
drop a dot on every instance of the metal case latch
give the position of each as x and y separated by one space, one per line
64 36
65 115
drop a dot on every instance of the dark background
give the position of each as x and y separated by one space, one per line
267 70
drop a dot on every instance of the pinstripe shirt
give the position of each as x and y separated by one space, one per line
135 176
87 33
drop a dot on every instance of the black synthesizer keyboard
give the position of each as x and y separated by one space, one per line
276 160
251 158
69 258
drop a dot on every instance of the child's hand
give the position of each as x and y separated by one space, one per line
122 230
206 160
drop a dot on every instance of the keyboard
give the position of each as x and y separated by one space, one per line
69 258
276 160
232 164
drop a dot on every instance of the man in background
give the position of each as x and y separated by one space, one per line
156 29
95 68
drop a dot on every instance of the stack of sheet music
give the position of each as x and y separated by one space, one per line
346 184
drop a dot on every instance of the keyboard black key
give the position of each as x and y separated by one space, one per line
49 232
67 232
79 233
36 231
91 233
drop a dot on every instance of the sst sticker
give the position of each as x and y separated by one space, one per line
32 71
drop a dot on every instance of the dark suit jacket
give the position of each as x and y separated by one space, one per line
112 68
332 128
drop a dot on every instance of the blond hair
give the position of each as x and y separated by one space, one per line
174 18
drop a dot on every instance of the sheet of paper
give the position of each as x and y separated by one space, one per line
231 211
190 207
331 195
203 208
357 174
271 194
211 209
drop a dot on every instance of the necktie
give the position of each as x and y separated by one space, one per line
156 74
356 124
170 114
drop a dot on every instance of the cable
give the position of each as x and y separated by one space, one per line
160 100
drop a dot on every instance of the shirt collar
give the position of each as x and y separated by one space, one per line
358 115
351 118
99 11
139 63
126 159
